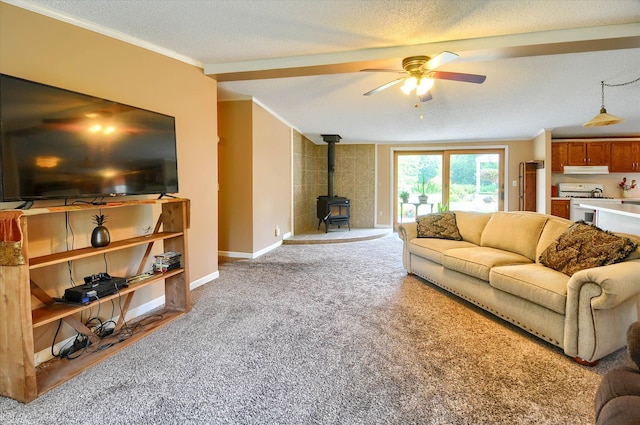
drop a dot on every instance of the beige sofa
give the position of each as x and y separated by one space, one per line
496 266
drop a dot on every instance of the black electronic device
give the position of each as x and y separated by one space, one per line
97 277
95 287
57 144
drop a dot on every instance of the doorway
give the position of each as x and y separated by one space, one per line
459 180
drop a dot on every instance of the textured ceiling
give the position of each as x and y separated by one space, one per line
544 60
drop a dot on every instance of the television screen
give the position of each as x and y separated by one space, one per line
56 143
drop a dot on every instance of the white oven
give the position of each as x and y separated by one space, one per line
577 213
583 193
589 215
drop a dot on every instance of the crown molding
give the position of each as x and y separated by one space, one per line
91 26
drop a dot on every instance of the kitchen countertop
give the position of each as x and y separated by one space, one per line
630 210
564 198
622 218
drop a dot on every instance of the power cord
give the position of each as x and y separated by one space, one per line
104 330
69 229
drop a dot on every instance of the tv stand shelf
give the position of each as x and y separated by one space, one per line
76 254
21 378
56 372
56 311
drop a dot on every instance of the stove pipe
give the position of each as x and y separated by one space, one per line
331 139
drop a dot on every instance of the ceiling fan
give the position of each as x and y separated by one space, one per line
420 75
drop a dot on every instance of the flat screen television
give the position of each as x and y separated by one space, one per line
58 144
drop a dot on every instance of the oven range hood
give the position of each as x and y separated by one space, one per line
586 169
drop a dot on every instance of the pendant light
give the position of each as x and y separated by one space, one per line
603 118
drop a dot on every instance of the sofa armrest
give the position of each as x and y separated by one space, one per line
406 232
618 282
600 306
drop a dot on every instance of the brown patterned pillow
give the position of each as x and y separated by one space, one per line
438 225
583 246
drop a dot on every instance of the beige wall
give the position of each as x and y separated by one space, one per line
305 192
542 151
45 50
516 151
255 178
272 185
235 225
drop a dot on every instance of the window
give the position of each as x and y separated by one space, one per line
473 181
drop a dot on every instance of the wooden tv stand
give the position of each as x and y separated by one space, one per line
21 379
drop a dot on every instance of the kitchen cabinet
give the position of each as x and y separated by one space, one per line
588 153
558 157
625 157
560 208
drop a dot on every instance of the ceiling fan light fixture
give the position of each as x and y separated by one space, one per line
424 86
419 75
409 84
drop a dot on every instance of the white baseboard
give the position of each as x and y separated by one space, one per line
203 280
45 355
233 254
249 255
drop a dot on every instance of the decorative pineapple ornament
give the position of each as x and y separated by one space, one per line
100 236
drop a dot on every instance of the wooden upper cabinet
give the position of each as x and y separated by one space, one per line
576 153
588 153
558 157
625 157
598 153
621 155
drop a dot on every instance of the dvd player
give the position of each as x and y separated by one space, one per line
95 289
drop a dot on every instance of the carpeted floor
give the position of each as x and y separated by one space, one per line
327 334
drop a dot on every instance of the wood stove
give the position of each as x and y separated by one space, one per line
332 209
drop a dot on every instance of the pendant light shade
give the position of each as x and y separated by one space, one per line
603 118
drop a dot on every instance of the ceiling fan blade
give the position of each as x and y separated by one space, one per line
426 97
456 76
439 60
384 86
398 71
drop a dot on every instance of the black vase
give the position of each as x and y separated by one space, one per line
100 237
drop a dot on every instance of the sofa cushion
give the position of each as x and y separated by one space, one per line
635 239
533 282
438 225
583 246
479 261
432 249
471 224
517 232
553 228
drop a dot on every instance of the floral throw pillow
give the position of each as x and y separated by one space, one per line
438 225
583 246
